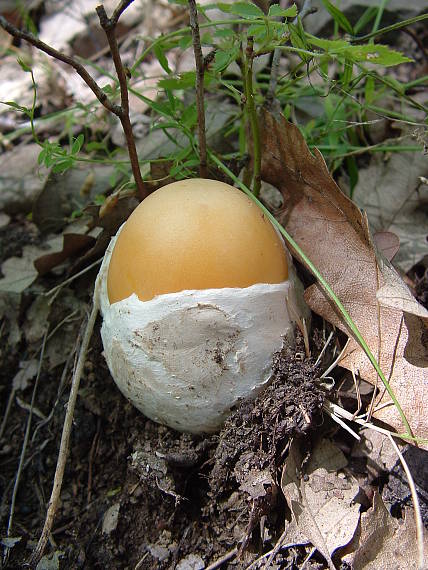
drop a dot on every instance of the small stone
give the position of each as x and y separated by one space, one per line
111 518
191 562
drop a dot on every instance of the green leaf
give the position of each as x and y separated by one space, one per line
376 53
347 72
207 39
172 100
77 144
184 81
108 89
338 17
189 116
223 7
276 11
14 105
224 33
41 157
159 107
95 145
99 199
331 46
370 53
62 165
258 31
369 90
25 67
365 19
395 84
185 42
113 178
246 10
223 58
298 39
352 168
161 57
178 168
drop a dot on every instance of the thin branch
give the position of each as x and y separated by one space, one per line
121 111
225 558
273 80
25 443
109 27
78 67
199 62
65 438
119 10
252 115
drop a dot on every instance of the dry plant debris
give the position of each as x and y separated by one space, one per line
321 496
334 233
393 193
384 542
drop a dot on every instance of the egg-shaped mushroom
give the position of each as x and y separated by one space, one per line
195 291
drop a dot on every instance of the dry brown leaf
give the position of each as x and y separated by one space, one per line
113 217
334 234
384 542
321 496
391 192
19 272
388 243
73 246
27 371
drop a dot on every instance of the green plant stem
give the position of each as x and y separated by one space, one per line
326 287
252 115
379 15
416 82
391 28
184 31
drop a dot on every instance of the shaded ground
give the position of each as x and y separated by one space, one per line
175 494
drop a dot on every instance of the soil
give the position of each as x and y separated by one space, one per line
136 492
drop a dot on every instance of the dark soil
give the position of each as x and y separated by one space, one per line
176 495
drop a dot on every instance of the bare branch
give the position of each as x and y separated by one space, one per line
109 27
200 69
119 10
78 67
248 58
121 111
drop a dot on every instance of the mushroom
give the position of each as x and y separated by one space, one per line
195 291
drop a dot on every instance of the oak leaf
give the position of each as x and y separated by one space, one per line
334 233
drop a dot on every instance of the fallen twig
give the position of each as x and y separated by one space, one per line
65 439
418 515
24 446
228 556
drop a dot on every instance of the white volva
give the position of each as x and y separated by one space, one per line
185 359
